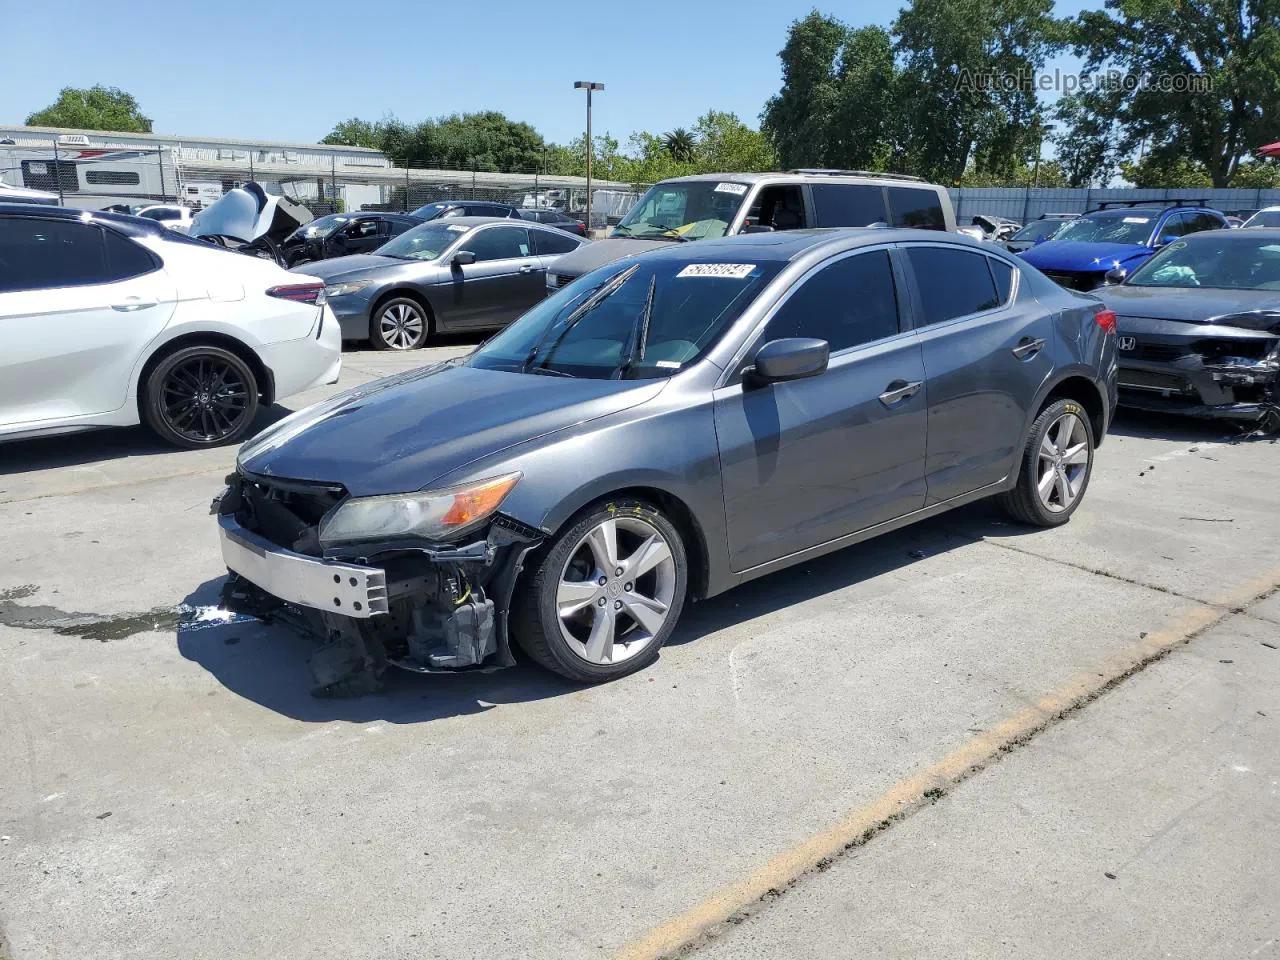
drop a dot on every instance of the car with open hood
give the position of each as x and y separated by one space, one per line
665 428
716 205
1199 327
1116 236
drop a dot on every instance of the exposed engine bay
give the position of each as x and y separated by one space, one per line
438 606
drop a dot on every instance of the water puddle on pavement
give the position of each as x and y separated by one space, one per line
92 626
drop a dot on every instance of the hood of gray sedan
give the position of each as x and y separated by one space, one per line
357 264
1249 308
403 433
591 255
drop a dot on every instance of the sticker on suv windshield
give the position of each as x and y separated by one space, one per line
738 189
456 228
1137 219
734 271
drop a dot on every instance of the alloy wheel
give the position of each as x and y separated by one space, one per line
402 326
204 399
616 590
1064 462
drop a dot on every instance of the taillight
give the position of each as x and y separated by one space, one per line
1106 319
299 292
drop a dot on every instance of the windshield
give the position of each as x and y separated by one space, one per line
424 242
322 227
1227 261
1264 218
1039 230
633 320
683 211
1111 227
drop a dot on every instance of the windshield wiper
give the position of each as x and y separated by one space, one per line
634 349
548 372
605 291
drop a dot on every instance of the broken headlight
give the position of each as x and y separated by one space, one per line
430 514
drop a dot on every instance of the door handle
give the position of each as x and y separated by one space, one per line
527 268
133 303
900 390
1028 347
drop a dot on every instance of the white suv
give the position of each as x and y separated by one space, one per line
111 320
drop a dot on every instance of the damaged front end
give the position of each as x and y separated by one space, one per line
1222 374
414 603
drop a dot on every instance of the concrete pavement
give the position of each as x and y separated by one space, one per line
169 788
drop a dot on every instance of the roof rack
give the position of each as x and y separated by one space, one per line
1174 202
821 171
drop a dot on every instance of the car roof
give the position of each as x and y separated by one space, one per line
1253 233
124 222
480 221
834 176
791 244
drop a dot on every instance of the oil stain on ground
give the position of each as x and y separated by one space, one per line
93 626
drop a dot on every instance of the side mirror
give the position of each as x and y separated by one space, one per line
1115 275
463 258
794 358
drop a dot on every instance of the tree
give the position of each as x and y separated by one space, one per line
725 143
864 120
1086 137
798 119
97 108
1201 78
680 144
967 88
1158 172
356 133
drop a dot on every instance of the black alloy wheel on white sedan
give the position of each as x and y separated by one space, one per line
200 396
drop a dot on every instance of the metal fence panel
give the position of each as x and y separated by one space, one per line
1023 204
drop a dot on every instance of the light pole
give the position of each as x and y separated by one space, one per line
590 87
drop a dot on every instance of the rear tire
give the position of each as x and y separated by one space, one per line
400 323
600 601
200 396
1057 462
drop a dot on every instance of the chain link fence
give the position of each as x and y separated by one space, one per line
130 171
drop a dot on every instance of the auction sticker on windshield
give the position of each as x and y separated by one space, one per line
1137 219
734 271
738 189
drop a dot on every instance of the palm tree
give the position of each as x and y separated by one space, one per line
679 143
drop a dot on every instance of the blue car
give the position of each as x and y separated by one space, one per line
1080 255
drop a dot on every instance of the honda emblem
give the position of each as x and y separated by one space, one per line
1126 343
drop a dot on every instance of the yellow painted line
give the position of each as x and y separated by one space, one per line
861 825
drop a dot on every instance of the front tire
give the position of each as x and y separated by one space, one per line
399 324
601 601
201 396
1056 465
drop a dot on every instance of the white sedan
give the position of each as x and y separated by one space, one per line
109 320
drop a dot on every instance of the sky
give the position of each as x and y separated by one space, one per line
289 72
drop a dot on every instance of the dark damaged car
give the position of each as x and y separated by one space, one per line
665 428
1199 328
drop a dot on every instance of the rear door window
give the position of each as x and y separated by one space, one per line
1205 221
914 207
847 204
951 283
37 254
850 302
500 243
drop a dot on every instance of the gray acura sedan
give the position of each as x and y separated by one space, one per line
666 427
465 273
